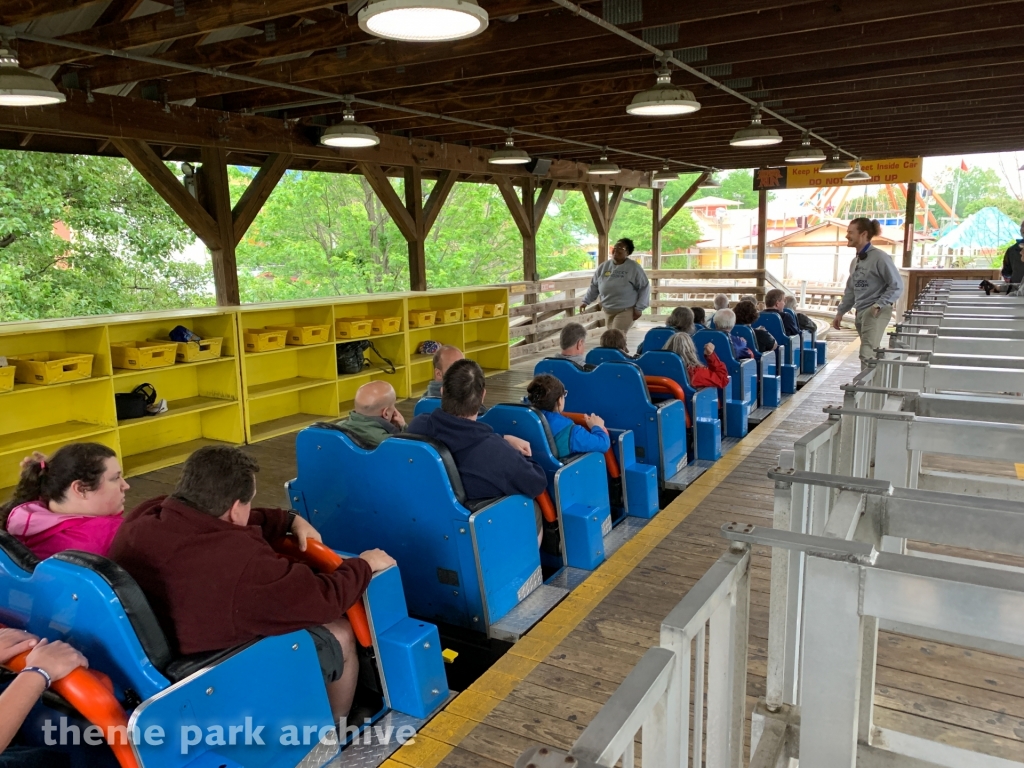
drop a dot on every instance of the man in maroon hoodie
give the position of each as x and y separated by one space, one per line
203 558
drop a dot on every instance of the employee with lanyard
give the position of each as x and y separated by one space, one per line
623 288
872 288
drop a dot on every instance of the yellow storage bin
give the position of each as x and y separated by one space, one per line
352 328
194 351
493 310
473 311
139 355
51 367
381 325
421 318
263 340
7 378
301 335
449 316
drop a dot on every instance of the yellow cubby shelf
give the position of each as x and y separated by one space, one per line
238 397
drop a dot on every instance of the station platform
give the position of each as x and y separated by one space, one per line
548 687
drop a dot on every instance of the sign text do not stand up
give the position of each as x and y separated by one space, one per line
894 170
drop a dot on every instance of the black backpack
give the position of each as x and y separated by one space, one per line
132 405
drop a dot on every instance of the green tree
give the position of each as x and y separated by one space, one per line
635 221
123 241
737 185
323 234
978 187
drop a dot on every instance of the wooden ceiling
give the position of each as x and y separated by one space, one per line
878 77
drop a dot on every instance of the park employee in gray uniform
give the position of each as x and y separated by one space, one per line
623 288
873 287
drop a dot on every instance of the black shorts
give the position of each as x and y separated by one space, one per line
328 652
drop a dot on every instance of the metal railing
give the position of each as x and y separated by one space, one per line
707 629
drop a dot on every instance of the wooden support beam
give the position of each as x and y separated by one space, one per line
257 192
683 200
213 190
908 225
413 217
515 207
547 191
417 246
656 229
166 184
18 11
762 237
438 197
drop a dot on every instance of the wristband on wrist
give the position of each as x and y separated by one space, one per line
43 672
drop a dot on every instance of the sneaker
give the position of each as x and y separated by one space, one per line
160 406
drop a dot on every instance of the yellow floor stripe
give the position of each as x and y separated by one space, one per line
1020 471
442 734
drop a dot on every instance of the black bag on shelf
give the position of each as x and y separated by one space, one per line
350 357
132 405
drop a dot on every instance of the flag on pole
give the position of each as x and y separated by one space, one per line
963 165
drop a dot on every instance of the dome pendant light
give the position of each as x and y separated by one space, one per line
835 165
663 99
664 176
806 153
710 182
21 88
602 167
857 174
509 155
755 134
349 134
423 21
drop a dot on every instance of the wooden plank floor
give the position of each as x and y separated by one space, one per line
552 683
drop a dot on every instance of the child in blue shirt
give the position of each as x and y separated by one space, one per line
548 394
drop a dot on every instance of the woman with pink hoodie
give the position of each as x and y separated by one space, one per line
72 500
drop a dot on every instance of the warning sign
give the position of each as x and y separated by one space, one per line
895 170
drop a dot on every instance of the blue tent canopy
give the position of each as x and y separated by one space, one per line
989 228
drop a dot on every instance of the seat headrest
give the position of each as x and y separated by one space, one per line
446 459
133 601
543 423
583 368
20 555
338 426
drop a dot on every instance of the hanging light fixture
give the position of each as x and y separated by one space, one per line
21 88
602 167
710 182
755 134
349 134
857 174
835 165
664 176
806 153
664 99
509 155
423 21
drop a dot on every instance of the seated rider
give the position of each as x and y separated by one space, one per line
613 338
443 358
714 374
73 500
547 393
573 341
775 302
374 415
203 558
747 314
725 321
46 663
488 465
682 321
802 320
699 316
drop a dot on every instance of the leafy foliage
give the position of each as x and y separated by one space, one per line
979 188
120 254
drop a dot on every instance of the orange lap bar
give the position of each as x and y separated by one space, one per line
609 455
325 559
547 507
91 693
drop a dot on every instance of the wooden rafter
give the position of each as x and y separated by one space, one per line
257 192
